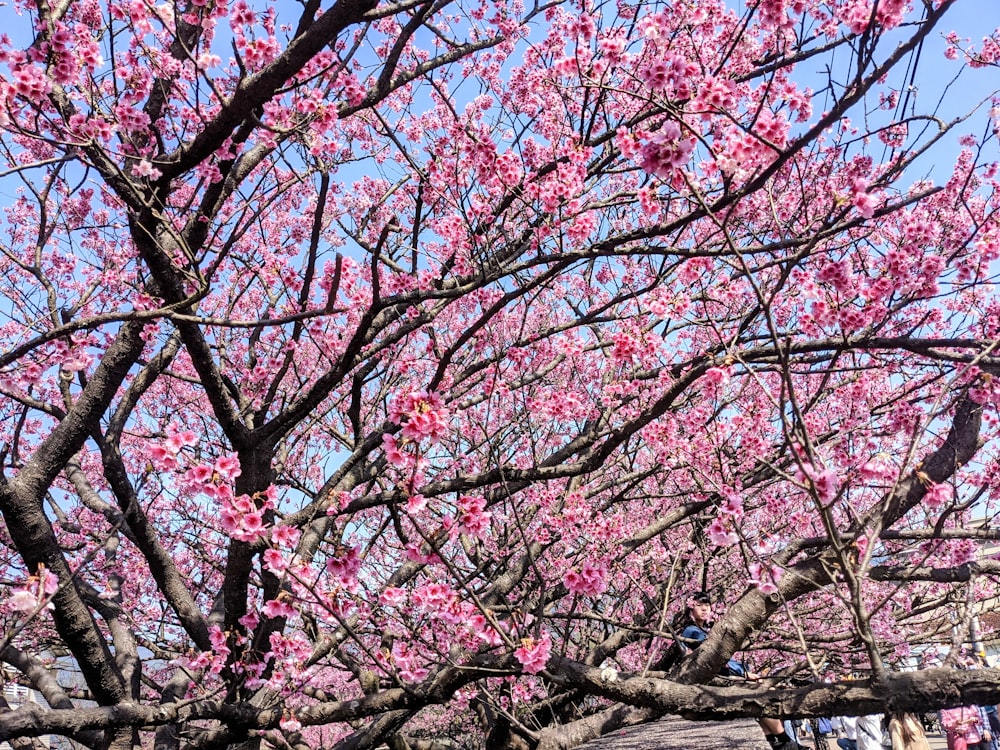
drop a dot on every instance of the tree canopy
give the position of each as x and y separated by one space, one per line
394 372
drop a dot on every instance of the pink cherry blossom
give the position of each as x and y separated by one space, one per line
716 376
286 536
416 503
393 453
162 458
22 600
589 580
289 723
765 577
392 596
665 150
409 663
277 608
275 561
227 467
422 415
861 543
178 440
938 495
823 481
473 518
720 534
533 653
365 361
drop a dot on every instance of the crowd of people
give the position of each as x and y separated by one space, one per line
901 731
859 732
966 727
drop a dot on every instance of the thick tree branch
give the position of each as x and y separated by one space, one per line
924 690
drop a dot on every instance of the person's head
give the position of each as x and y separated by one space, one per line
700 608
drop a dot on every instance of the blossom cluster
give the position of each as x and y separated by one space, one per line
670 74
242 517
534 653
163 455
34 592
662 152
422 415
764 576
721 531
590 580
473 518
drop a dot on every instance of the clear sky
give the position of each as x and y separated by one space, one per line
961 86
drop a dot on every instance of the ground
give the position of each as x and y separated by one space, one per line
677 734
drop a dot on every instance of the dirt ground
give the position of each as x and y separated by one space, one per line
677 734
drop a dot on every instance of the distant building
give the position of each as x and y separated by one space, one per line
17 695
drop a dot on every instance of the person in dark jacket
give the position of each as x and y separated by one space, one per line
694 627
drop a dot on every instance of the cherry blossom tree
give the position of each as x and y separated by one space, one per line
393 372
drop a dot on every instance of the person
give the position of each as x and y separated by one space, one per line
986 722
963 726
825 726
848 726
988 741
992 724
869 732
907 732
789 728
994 720
694 625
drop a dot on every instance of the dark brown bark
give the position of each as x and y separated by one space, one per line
32 533
924 690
